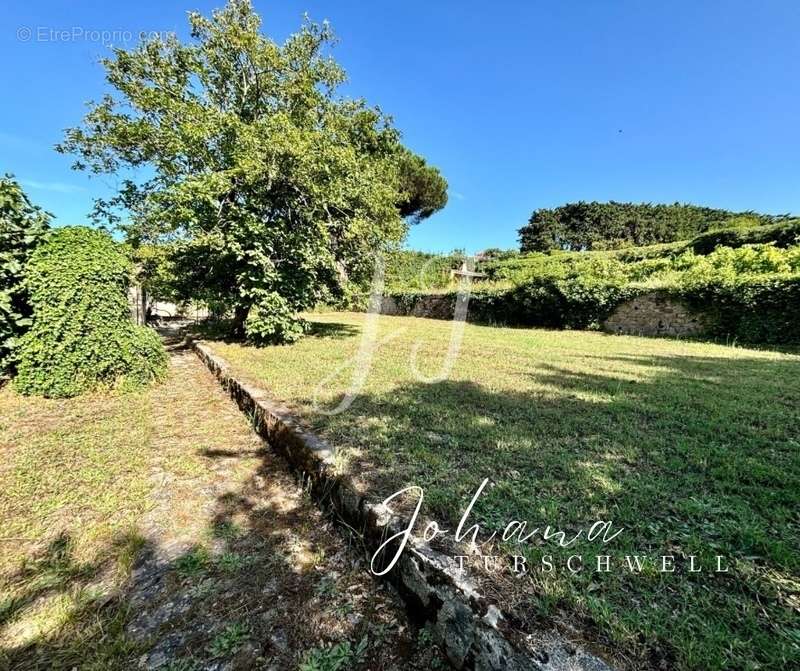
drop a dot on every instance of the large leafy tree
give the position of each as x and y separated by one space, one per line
22 226
274 185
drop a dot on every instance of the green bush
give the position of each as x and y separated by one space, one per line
82 335
411 270
746 286
750 294
760 310
784 234
573 302
21 228
271 320
653 259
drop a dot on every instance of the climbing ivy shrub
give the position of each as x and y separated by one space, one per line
82 335
22 225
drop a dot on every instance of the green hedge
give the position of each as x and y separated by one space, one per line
755 311
546 302
82 335
521 267
750 294
419 271
784 234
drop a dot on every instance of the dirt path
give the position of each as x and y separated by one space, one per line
240 570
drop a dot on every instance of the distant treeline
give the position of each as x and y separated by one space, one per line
613 225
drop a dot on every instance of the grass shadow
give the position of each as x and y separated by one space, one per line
91 614
334 330
697 456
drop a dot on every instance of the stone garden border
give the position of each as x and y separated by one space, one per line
474 633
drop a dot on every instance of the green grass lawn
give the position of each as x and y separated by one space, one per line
153 529
74 482
693 448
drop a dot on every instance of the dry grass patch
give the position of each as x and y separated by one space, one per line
155 529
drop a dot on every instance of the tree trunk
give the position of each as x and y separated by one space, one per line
239 315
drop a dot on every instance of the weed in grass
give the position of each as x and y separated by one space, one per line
201 590
381 632
227 530
325 588
344 609
424 638
9 604
193 563
335 658
228 640
187 664
437 663
231 562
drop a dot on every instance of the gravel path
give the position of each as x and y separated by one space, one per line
240 570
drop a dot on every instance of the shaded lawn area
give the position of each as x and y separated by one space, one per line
74 482
693 448
154 525
80 480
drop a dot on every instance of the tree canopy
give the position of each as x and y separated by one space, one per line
594 225
275 187
423 189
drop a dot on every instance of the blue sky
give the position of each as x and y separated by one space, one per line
521 104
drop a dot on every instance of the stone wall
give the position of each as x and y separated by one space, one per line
473 631
652 314
656 314
433 306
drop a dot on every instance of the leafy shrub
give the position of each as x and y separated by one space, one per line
750 293
651 260
229 640
660 251
571 302
412 270
555 265
755 309
156 272
271 320
21 228
336 657
82 335
783 234
763 310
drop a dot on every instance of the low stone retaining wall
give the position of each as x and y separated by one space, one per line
652 314
656 314
474 633
433 306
